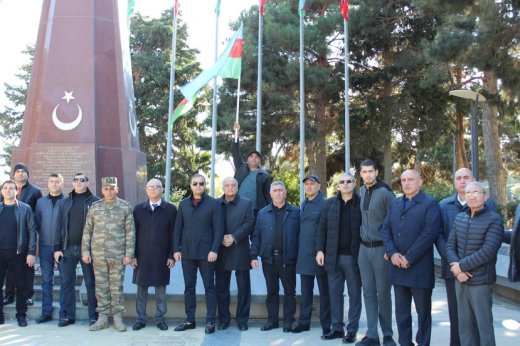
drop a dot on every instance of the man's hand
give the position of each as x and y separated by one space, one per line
177 256
397 260
30 260
404 262
170 263
320 258
212 256
134 263
57 256
254 264
463 276
86 259
228 240
127 260
455 268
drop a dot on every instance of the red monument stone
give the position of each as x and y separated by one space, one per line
80 114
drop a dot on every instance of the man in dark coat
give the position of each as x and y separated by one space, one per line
196 239
253 182
306 264
472 253
27 193
237 215
513 238
275 240
337 246
409 231
154 223
450 208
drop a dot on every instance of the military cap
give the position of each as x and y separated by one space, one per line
112 181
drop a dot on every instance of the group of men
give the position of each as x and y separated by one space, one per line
371 242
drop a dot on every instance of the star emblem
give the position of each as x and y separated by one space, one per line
68 96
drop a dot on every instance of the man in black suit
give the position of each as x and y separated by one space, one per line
196 240
237 214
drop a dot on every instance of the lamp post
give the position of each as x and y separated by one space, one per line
475 97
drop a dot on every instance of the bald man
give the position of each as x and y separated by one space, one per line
409 231
450 207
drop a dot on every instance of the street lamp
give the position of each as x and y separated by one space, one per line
475 97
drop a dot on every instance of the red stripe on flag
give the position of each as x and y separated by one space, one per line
176 7
344 9
236 51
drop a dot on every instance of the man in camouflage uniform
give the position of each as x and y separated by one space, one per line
109 243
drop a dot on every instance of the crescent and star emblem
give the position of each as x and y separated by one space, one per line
131 118
67 126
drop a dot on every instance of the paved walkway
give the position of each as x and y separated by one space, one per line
506 316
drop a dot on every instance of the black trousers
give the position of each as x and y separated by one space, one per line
223 280
16 264
274 274
207 272
9 282
453 312
422 298
307 285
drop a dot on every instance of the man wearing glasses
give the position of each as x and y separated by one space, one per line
472 250
154 222
72 212
376 198
337 246
196 240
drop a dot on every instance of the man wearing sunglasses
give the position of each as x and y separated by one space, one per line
72 212
337 246
197 236
376 198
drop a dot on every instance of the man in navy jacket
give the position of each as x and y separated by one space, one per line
472 253
409 231
275 240
196 240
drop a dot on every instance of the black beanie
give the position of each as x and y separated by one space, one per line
21 166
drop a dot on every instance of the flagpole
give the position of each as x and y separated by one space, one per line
259 86
238 107
168 172
347 119
302 113
214 116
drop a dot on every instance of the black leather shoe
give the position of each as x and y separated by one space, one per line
92 322
335 334
269 326
350 338
22 322
242 327
30 302
162 325
299 328
184 326
2 319
210 328
223 325
8 300
43 319
138 325
325 331
65 322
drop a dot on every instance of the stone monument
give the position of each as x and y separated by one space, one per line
80 114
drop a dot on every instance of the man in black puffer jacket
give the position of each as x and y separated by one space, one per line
472 253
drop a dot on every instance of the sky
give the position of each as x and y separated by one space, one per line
19 21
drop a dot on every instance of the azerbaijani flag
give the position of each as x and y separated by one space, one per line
217 8
262 4
182 108
344 9
227 66
301 8
131 5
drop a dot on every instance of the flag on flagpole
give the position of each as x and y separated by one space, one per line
301 8
227 66
176 8
344 9
262 4
182 108
131 5
217 8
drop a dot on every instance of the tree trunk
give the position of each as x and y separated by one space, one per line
317 126
461 158
496 173
386 114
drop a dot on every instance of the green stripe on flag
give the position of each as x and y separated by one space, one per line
232 69
182 108
131 5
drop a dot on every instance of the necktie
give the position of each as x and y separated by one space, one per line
154 205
